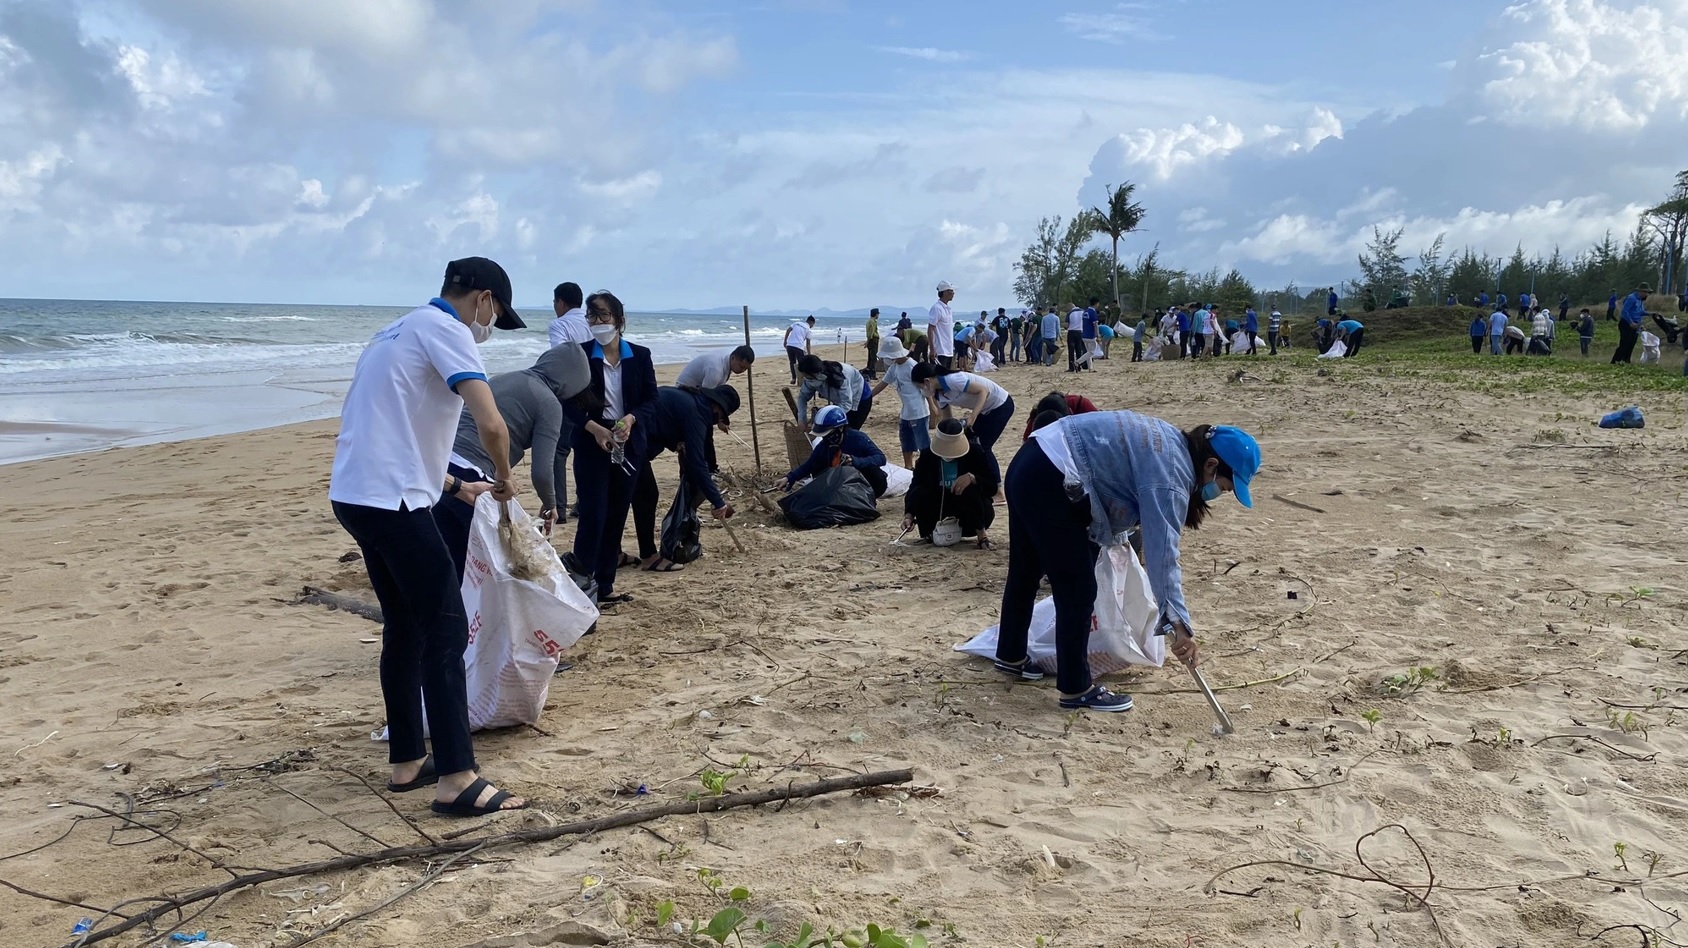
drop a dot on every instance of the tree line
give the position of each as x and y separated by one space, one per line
1061 266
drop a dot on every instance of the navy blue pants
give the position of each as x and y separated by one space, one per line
988 427
1048 535
605 491
425 632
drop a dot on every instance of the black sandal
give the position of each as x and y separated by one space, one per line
616 600
465 804
657 567
426 777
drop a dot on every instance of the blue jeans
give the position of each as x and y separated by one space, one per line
1049 350
1494 345
424 632
913 435
1014 347
1034 349
1048 535
988 427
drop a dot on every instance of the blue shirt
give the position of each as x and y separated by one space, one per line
858 446
1251 320
1331 300
1051 326
1090 323
1483 299
1183 321
1142 327
1350 326
1136 471
1634 310
1479 327
1275 321
1497 323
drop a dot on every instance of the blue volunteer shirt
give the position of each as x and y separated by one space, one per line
1479 327
1251 320
1090 323
1350 326
1634 310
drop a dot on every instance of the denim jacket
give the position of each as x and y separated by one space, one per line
1137 472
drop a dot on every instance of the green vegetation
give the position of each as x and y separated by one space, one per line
732 924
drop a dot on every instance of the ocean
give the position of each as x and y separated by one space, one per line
80 375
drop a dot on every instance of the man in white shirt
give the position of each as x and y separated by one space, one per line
799 339
570 324
396 432
710 371
940 327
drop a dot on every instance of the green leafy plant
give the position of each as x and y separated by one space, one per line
1618 849
1371 717
1409 681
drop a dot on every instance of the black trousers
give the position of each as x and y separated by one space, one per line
1075 348
606 495
1048 535
453 518
424 632
972 507
793 354
1272 341
1584 341
1476 345
1355 338
1136 350
1253 342
1627 335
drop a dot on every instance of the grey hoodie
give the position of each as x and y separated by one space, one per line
531 402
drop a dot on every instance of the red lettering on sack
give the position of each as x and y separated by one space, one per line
474 627
545 642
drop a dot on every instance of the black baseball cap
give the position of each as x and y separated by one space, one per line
479 273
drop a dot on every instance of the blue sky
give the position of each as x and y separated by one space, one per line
801 153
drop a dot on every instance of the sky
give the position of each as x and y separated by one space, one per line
792 154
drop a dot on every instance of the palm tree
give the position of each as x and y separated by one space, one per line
1121 217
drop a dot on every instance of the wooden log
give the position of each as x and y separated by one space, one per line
169 906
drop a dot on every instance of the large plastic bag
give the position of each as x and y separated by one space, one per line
983 363
682 531
1336 351
517 627
1122 627
1239 343
836 497
898 480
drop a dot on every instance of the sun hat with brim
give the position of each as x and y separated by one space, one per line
479 273
892 348
950 441
830 418
1241 453
725 397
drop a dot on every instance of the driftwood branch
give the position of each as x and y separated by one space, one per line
313 596
539 835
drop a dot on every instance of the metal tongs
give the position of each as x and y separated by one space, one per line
1167 627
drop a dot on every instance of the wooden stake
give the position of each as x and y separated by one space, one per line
750 389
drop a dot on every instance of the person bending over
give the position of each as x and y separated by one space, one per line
840 446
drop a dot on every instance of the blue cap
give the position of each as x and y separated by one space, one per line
1241 453
832 417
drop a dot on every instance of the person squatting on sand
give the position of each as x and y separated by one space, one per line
840 446
610 445
396 431
955 477
1080 483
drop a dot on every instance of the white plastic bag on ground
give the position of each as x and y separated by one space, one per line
1650 345
983 363
1122 628
517 627
1239 343
1336 351
898 479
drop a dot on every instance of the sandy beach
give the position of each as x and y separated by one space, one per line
153 663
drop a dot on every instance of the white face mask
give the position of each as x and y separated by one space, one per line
605 333
481 331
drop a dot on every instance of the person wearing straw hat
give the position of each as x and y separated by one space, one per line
955 477
1082 483
915 417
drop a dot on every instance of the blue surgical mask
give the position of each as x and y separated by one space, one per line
1210 491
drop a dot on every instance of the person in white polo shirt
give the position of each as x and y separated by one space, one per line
799 339
940 327
569 327
396 432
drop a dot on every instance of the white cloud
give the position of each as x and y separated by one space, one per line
1126 21
928 53
1591 63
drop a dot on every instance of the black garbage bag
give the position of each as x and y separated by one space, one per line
682 531
581 575
838 497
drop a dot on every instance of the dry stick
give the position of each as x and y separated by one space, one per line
416 887
629 818
1589 737
1655 706
377 794
213 860
1510 684
1296 503
733 535
1315 786
369 836
49 898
